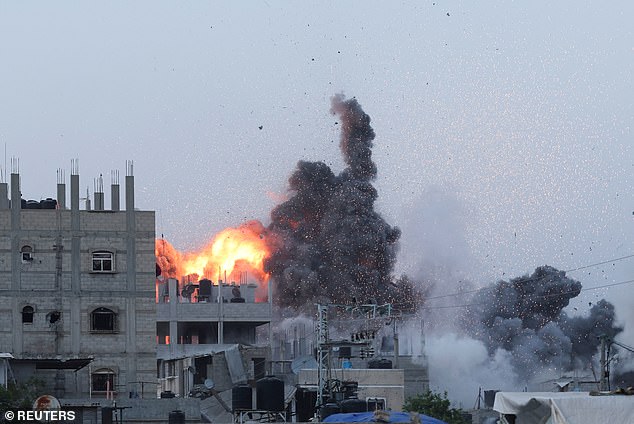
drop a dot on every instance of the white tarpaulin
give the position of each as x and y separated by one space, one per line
565 408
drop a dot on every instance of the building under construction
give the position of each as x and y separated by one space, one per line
77 289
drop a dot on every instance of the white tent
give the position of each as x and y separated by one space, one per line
564 408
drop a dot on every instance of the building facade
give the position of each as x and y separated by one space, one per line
209 332
77 291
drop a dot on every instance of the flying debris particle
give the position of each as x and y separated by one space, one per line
261 126
448 14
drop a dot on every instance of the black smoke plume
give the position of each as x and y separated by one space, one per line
331 245
525 316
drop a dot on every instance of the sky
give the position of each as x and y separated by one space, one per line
504 128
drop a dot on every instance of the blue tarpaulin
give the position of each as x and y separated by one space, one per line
367 417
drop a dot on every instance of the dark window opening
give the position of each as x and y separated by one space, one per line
203 369
53 317
27 315
27 254
103 320
103 380
259 368
102 261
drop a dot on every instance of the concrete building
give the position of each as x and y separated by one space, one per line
208 331
77 290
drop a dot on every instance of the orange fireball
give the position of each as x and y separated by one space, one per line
232 254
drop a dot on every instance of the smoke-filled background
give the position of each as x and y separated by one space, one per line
503 132
331 246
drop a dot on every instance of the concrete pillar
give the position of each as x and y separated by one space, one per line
99 201
114 197
74 201
4 196
75 256
16 275
129 193
172 287
16 207
61 196
16 201
131 272
75 330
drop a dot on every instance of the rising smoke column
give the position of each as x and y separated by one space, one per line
525 316
330 243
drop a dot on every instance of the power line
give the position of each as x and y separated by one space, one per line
529 279
600 263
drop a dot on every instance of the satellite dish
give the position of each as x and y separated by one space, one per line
236 292
188 290
303 363
209 383
46 403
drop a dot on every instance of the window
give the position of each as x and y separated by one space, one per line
103 320
375 404
103 380
169 369
26 253
102 261
27 315
53 317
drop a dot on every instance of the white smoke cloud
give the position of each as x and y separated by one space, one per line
461 365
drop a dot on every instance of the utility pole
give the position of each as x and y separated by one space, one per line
323 352
605 373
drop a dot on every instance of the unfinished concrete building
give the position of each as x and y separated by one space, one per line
208 333
77 290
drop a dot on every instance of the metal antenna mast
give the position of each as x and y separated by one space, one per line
323 353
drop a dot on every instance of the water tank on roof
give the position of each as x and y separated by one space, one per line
32 204
176 417
305 400
242 397
353 405
204 288
48 203
270 394
328 409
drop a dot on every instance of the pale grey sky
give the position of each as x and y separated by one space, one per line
504 128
